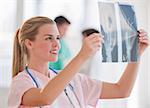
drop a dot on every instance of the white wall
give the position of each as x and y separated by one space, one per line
148 4
142 7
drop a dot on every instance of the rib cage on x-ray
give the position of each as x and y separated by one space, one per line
119 28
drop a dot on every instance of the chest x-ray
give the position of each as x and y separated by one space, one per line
119 29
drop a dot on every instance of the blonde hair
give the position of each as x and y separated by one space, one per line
28 31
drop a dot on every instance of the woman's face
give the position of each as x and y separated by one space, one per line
46 45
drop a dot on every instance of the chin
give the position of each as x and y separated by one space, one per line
53 59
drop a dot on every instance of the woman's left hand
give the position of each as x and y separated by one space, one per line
143 41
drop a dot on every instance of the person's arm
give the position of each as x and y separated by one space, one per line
47 95
124 86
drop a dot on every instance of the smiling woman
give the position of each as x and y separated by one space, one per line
32 42
84 10
47 42
34 85
35 44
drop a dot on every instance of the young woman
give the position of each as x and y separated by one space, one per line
34 85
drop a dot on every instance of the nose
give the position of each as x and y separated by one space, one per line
56 44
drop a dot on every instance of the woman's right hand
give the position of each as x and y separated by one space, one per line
90 45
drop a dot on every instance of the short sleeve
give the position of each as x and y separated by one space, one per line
20 84
91 89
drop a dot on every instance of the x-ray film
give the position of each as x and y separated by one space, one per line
119 30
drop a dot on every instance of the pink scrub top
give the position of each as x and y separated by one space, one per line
86 91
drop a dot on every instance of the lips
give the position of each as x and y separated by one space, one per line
54 52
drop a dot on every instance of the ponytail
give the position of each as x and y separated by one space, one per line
18 57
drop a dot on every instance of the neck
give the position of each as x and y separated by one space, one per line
38 66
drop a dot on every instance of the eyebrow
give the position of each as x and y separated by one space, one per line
51 35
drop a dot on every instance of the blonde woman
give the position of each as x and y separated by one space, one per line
34 85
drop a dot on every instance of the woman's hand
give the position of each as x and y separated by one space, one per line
143 41
91 44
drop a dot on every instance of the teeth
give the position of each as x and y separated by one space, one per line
53 51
